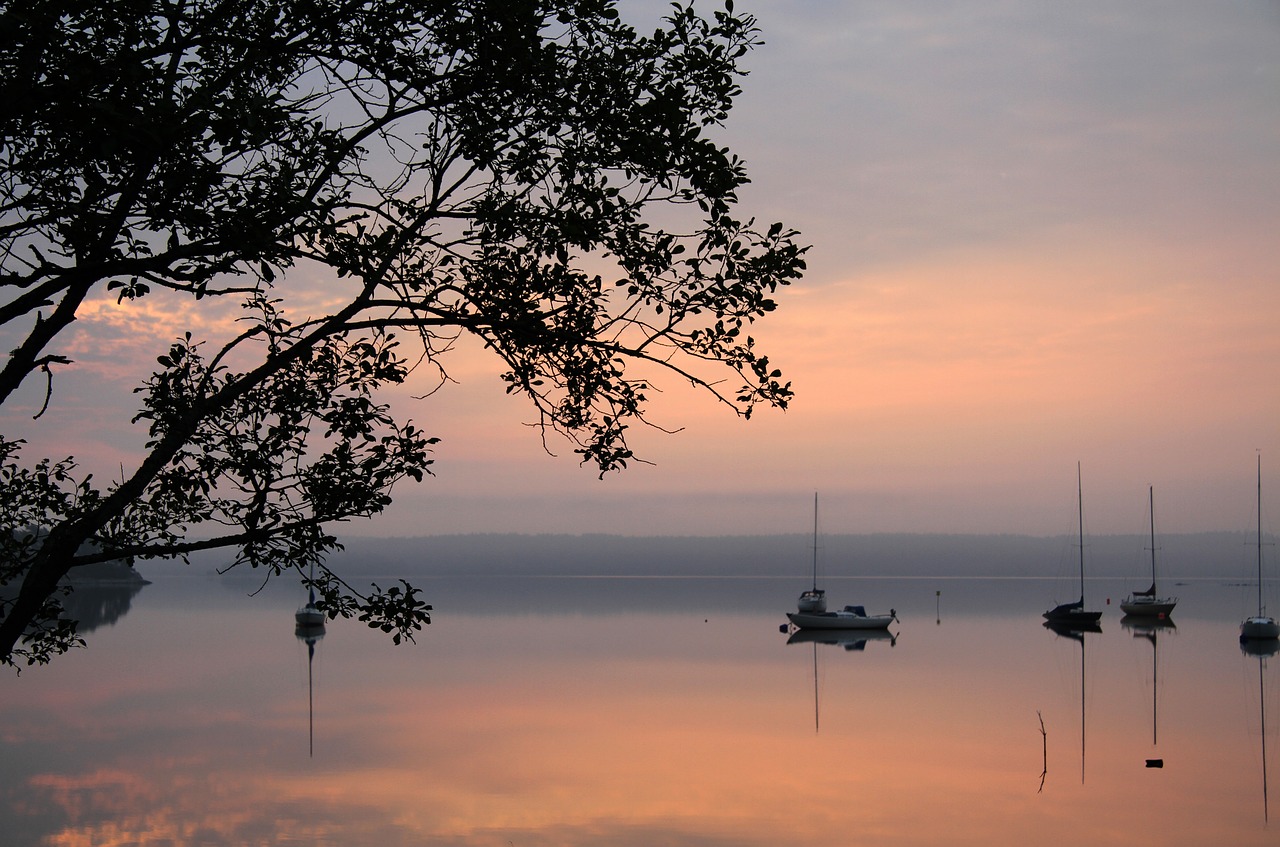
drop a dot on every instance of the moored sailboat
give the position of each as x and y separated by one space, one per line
1146 603
812 607
850 617
814 599
1072 614
309 615
1261 626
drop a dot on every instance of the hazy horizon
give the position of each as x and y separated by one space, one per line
1229 556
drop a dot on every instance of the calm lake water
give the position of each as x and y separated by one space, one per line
659 711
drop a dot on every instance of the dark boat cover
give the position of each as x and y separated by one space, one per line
1065 609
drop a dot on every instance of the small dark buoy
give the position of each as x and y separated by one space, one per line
1155 763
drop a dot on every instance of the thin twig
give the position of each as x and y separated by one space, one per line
1045 738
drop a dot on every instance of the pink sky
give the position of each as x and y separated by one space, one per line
1041 233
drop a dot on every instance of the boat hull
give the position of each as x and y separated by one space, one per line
1260 627
1146 607
839 620
309 616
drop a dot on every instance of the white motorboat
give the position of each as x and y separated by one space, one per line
850 617
811 612
309 616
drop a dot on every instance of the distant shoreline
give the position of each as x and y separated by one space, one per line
1207 554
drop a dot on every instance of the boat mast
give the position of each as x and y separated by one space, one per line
815 541
1260 608
1151 507
1080 512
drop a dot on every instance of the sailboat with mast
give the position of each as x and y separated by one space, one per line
1071 614
814 599
1146 603
309 615
1260 626
812 611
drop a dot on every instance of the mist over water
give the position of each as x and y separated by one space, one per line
1211 555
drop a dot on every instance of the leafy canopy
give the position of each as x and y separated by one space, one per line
536 174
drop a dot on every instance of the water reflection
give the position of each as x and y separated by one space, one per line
661 723
310 633
848 639
1075 631
852 640
95 605
1148 628
1263 649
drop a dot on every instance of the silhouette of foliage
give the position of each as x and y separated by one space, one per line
536 174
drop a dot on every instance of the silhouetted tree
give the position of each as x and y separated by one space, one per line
534 173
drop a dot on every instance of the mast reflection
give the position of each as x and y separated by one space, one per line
852 640
1076 631
1263 649
310 634
1148 628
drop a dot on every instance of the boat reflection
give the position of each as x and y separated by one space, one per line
1141 625
1074 631
310 634
1148 628
851 640
1262 649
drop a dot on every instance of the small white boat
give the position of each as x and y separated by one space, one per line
1259 627
850 617
811 612
1146 603
308 616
